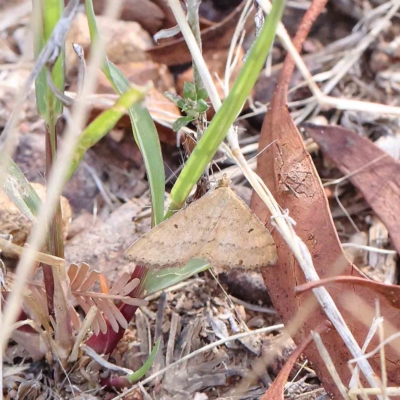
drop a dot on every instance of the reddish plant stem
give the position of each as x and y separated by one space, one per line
105 343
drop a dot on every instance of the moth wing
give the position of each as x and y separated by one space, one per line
239 238
175 241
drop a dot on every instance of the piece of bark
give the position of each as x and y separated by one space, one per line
377 174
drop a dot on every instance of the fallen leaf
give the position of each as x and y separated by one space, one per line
288 171
370 169
216 37
219 227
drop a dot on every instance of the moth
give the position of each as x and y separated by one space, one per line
219 227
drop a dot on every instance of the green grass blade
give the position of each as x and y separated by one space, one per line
147 365
159 280
143 127
19 190
46 14
226 115
98 128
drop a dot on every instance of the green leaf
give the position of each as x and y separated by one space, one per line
143 127
226 115
175 98
147 365
19 190
46 14
202 94
189 91
201 106
181 122
159 280
103 124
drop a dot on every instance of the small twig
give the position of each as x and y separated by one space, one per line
356 171
65 100
81 66
252 307
368 248
230 62
390 391
381 335
86 325
323 352
174 288
48 259
172 338
100 360
343 208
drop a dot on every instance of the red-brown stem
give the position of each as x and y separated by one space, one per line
117 382
105 343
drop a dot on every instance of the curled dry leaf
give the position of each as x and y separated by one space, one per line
288 171
214 38
370 169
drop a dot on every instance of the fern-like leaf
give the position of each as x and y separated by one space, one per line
83 280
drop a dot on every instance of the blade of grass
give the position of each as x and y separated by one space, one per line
46 14
156 281
143 128
147 365
98 128
19 190
226 115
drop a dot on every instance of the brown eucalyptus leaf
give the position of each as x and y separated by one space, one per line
377 174
288 171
